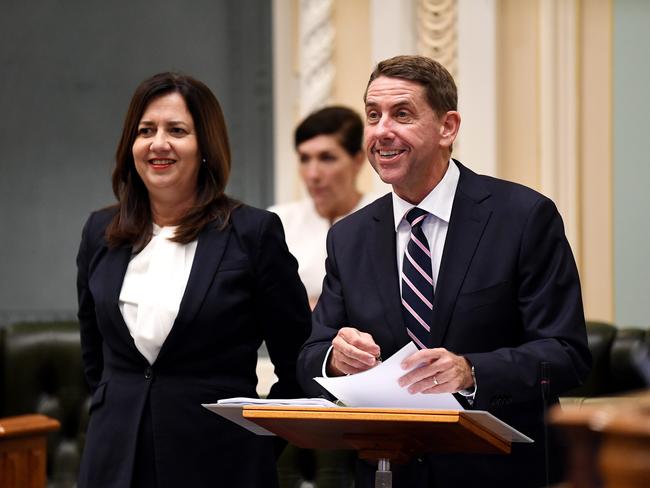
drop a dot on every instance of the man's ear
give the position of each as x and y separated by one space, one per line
449 125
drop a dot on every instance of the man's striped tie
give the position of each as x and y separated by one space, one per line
417 282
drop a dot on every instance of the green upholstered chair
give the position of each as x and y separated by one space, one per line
600 336
41 372
624 372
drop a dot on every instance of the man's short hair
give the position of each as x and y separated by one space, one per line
439 85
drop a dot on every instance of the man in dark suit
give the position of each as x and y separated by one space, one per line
481 278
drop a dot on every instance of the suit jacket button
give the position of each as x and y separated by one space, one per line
148 372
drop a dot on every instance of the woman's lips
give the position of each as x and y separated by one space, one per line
161 163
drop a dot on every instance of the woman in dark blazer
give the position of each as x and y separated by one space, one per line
178 286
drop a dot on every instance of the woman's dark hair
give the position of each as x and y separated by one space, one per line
131 225
343 122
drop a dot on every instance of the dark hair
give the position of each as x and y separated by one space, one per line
132 223
439 85
340 121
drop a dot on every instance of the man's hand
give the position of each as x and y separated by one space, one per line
436 371
353 351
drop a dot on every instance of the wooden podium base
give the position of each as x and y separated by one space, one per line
378 433
381 435
23 450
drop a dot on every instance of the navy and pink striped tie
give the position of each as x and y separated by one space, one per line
417 282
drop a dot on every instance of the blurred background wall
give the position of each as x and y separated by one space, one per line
67 71
631 160
552 94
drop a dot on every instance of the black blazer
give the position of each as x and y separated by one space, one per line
243 288
507 297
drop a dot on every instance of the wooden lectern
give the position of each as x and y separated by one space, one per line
23 450
382 435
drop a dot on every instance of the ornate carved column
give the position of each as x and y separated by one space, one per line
437 32
437 29
316 45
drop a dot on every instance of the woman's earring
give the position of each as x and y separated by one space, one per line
203 160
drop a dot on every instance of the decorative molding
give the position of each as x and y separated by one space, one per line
476 145
558 105
437 37
596 171
437 32
285 87
316 44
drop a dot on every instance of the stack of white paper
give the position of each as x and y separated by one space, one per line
300 402
231 408
378 387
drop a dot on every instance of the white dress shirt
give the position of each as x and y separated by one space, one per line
152 290
438 203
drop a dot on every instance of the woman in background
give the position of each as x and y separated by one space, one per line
328 143
178 286
329 147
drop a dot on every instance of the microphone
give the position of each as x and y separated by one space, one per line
545 384
545 381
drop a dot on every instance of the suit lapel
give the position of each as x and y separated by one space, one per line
209 252
467 223
384 252
117 260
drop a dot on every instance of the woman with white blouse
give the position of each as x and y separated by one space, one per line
328 144
178 286
330 156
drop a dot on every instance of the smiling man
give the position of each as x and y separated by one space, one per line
476 271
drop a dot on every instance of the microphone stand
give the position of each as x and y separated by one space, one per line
545 383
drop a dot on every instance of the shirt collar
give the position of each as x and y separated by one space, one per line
439 200
167 231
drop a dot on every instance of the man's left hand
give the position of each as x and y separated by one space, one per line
436 371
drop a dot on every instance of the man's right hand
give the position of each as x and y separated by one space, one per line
353 351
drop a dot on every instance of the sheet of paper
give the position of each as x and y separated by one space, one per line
300 402
231 409
378 387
